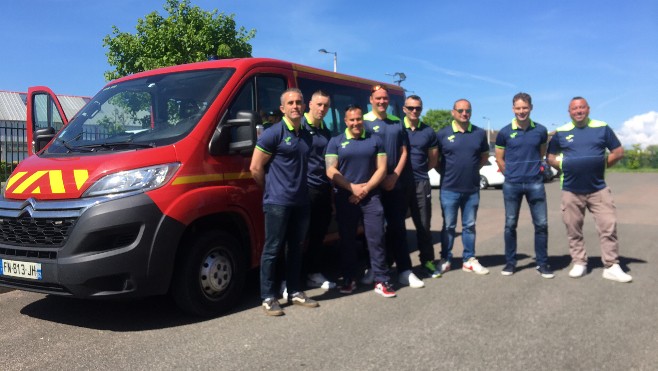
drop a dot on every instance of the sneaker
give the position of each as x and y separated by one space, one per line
431 270
410 279
385 289
615 273
284 291
445 265
508 270
272 307
578 270
545 271
300 298
347 287
319 280
368 277
473 265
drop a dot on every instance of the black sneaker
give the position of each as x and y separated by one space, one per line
508 270
545 271
347 287
300 298
272 307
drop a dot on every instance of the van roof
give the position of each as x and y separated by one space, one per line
249 63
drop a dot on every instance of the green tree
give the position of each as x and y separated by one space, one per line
633 157
189 34
437 118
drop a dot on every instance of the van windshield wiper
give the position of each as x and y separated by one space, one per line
110 146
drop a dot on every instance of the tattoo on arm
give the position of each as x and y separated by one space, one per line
330 161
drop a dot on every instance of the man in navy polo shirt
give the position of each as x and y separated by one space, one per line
579 149
463 150
356 164
396 182
279 165
520 148
319 190
423 155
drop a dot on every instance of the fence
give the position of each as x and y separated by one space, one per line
13 148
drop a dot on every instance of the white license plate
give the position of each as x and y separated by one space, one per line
20 269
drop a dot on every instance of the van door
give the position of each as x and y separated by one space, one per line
45 117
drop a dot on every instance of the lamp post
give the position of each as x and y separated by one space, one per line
488 129
324 51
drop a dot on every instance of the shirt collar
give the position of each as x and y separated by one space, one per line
515 125
288 123
455 126
408 126
309 120
349 136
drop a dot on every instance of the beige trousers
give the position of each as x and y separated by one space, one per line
603 209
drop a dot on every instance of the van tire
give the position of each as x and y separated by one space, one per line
210 278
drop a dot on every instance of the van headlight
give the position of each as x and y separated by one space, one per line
144 179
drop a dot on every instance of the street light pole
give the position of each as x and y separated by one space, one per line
324 51
488 129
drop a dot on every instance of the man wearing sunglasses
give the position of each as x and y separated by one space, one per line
394 186
463 150
423 155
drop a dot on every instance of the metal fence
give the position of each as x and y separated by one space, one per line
13 148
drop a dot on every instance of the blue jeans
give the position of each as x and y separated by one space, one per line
451 203
285 227
535 195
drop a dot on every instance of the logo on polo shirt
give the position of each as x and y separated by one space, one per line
451 138
344 144
287 140
375 129
569 138
513 135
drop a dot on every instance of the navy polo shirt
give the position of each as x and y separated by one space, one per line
285 173
317 170
421 141
522 151
583 152
393 136
357 157
461 154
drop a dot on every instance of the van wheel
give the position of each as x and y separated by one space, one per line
210 278
484 183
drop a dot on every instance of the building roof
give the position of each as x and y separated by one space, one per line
13 106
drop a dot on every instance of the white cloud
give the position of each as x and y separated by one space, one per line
641 129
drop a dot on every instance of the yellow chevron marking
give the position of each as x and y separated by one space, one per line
81 177
29 181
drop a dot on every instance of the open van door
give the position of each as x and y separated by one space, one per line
45 117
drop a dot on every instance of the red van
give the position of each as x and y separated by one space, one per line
147 189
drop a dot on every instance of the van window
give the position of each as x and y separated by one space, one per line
342 96
142 113
260 94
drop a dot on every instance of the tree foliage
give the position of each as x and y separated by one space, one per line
437 118
189 34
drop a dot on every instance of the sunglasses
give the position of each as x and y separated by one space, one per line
410 108
378 87
461 110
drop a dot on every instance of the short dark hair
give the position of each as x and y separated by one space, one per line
522 96
320 93
415 97
352 107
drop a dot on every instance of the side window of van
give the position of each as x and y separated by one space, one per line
269 89
244 101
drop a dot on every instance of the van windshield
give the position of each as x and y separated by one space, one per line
141 113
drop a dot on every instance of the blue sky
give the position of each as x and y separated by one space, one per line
485 51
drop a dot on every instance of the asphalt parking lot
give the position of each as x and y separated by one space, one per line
460 321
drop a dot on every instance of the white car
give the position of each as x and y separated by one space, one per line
490 175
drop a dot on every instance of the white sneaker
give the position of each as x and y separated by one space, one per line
284 291
368 277
319 280
615 273
445 265
410 279
578 270
473 265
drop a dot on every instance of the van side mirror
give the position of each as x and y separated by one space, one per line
237 135
42 137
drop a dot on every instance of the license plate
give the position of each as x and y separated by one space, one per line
20 269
